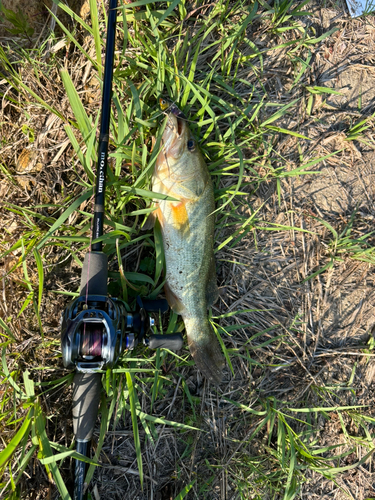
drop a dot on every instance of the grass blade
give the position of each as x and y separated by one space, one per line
97 38
133 411
185 491
63 217
46 451
6 454
84 123
39 264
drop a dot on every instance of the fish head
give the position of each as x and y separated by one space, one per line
180 151
180 168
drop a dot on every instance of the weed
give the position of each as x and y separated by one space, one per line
344 245
19 21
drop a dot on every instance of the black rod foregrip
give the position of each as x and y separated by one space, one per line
86 399
94 277
104 127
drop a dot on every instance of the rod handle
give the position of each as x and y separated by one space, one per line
86 398
94 277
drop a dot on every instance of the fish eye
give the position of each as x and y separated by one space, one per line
191 145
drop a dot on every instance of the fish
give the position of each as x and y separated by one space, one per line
187 227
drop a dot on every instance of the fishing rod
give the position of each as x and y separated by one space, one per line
96 328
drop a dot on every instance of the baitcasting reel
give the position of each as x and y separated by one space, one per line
97 328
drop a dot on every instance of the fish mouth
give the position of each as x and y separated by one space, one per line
173 137
180 126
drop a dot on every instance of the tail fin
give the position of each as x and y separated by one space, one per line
205 348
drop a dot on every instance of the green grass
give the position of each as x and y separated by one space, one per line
213 69
343 245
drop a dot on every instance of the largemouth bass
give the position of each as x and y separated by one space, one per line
188 233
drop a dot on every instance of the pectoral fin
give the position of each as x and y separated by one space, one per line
151 218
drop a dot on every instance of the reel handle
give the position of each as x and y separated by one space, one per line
172 341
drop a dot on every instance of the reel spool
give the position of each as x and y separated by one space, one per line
92 333
91 340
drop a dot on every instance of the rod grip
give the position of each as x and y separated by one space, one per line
94 277
86 399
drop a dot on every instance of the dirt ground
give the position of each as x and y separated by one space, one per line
336 308
325 322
